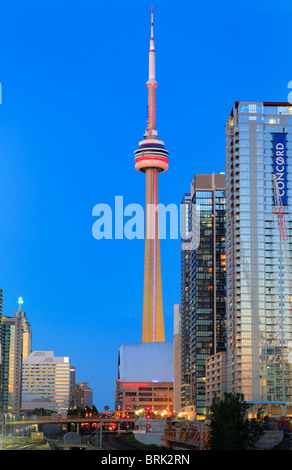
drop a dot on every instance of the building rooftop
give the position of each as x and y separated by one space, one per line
45 357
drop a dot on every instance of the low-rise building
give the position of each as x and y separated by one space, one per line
145 378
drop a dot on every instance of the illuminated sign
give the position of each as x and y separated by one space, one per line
134 384
280 164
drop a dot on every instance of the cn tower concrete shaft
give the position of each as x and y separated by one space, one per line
153 321
151 158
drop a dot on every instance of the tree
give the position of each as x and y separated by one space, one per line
230 428
73 411
85 411
93 410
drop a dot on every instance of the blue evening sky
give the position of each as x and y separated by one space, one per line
73 110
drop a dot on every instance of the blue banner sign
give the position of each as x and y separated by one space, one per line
280 164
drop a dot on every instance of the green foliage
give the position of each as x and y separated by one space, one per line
74 411
230 428
39 412
94 410
132 440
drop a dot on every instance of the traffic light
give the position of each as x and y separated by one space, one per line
148 427
148 416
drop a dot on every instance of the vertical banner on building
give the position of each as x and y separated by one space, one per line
280 164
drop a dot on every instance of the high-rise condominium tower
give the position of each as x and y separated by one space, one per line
16 345
203 293
151 158
259 317
10 392
1 299
185 310
26 330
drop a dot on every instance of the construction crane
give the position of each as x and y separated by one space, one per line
283 232
284 246
279 210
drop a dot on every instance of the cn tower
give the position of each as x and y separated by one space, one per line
151 158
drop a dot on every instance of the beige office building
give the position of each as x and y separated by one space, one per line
47 376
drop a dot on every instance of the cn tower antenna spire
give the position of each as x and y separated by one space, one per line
151 84
152 51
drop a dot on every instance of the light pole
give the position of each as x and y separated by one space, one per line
2 422
100 436
201 422
4 429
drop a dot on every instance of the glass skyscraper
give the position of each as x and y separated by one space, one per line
26 331
1 346
15 346
203 289
259 320
10 391
185 309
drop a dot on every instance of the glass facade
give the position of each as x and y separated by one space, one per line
26 334
16 345
1 357
203 290
259 321
10 392
186 398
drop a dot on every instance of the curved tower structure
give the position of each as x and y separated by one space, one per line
151 158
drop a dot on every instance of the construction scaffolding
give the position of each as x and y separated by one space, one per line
194 435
